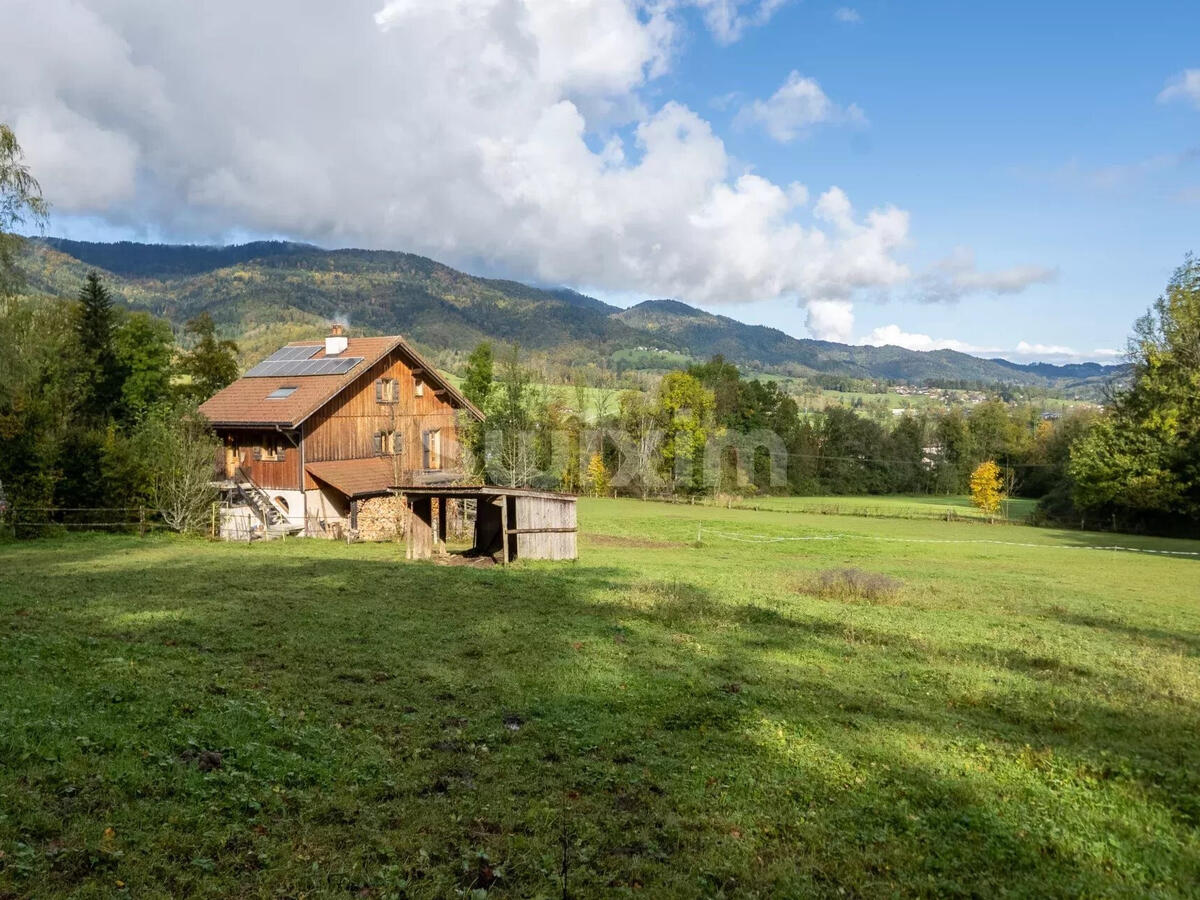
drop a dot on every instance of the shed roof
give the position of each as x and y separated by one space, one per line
481 490
245 401
355 477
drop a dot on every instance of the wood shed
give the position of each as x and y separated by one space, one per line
515 523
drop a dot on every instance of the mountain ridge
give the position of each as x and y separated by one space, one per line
274 288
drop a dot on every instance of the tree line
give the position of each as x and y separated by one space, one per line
98 404
1132 465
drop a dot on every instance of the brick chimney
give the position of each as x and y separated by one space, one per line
336 343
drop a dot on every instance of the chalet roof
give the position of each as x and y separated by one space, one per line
245 401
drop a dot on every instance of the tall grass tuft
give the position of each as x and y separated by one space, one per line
853 586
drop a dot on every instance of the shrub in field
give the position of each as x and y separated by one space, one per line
853 586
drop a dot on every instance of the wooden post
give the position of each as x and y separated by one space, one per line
141 521
504 529
213 531
408 554
440 550
354 515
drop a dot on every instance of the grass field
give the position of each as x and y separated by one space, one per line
658 719
923 506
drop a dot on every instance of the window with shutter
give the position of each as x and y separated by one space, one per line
385 391
431 449
379 443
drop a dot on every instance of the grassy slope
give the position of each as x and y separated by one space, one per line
690 721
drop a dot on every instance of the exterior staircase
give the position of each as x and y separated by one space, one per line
272 518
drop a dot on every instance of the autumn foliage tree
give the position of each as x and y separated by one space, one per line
598 479
987 487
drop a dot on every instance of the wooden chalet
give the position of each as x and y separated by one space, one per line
316 428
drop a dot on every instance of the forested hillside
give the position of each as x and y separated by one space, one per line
268 292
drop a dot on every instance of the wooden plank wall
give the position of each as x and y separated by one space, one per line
282 475
419 544
545 512
346 428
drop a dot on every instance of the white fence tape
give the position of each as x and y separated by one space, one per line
769 539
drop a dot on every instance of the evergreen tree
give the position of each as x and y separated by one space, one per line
99 369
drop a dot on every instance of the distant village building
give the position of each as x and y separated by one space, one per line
319 427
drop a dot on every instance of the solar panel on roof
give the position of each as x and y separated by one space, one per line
269 366
330 365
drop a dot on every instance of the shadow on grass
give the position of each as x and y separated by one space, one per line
1178 641
388 726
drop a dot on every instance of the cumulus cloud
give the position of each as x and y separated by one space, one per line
1184 86
895 336
509 135
847 15
796 108
831 320
957 276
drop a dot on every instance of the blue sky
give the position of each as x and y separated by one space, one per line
1042 158
1029 131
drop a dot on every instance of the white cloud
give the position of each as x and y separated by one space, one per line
895 336
1184 86
795 108
957 276
848 15
831 320
728 20
511 135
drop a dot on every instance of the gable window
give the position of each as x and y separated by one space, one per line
281 392
418 387
387 443
431 449
387 391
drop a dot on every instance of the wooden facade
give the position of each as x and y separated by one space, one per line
347 428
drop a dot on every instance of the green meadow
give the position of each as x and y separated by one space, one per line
799 705
923 506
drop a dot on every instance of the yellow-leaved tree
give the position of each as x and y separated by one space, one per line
597 475
987 487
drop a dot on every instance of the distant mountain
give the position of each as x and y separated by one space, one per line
270 291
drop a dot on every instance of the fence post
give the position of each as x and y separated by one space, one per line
213 524
141 521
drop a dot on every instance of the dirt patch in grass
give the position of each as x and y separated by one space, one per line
853 586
